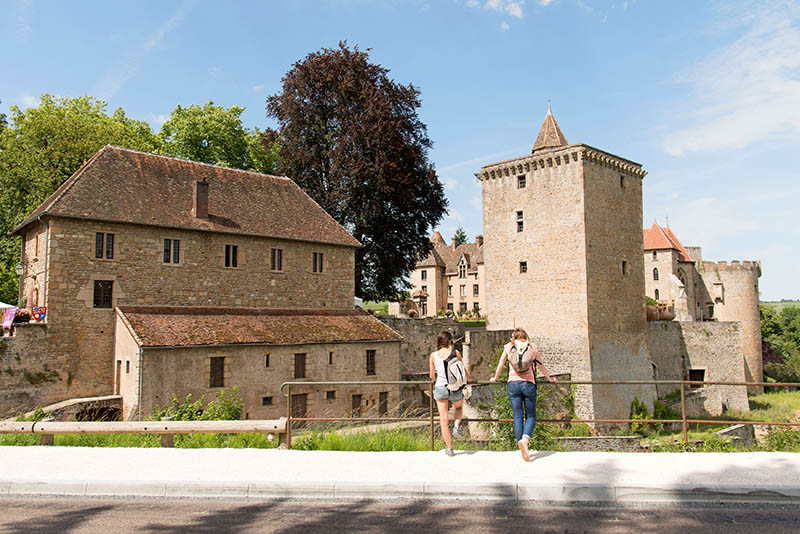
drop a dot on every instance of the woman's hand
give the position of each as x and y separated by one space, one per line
551 378
493 379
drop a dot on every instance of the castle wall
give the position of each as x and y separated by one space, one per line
715 347
184 371
419 339
739 302
616 306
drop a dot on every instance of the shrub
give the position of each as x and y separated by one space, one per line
226 407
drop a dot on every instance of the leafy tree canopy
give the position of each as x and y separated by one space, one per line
460 236
351 138
213 134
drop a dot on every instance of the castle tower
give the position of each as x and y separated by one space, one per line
564 261
733 287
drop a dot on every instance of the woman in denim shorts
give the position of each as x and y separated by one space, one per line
441 394
522 389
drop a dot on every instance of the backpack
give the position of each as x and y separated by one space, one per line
521 362
454 372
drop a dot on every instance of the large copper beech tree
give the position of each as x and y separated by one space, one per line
351 138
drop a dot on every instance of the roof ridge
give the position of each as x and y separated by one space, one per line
175 158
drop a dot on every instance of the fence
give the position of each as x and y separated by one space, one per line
286 389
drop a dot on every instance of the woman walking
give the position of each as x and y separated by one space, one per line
522 357
449 374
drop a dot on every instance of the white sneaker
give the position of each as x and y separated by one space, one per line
457 432
523 448
449 452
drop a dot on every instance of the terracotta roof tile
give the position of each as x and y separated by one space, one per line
658 238
168 326
550 134
128 186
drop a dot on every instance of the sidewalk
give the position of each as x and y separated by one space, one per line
484 475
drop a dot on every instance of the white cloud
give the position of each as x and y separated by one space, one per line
473 3
24 16
157 118
450 183
585 7
504 26
29 101
127 68
545 3
258 88
747 91
510 7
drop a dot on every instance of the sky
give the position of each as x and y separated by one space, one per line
704 94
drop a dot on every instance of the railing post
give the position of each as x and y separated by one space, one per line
288 416
431 413
168 440
683 415
47 439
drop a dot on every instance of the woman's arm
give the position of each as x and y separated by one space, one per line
431 368
540 365
500 364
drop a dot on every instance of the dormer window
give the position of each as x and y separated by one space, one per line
462 269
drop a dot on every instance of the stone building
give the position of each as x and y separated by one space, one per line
564 260
131 230
451 278
701 290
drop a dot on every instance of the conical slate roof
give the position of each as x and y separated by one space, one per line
550 134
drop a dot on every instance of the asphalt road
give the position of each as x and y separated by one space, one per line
84 515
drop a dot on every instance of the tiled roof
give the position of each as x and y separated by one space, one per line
550 134
166 326
443 255
658 238
127 186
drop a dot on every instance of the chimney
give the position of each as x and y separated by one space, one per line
479 240
453 241
200 205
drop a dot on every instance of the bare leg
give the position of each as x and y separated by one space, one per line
457 412
443 422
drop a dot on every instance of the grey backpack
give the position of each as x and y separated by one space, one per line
523 361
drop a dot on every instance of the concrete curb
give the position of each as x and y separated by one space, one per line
522 493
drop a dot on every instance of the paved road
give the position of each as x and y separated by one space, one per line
87 516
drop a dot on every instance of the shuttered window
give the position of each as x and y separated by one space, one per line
217 379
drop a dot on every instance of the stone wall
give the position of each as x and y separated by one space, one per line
419 339
714 347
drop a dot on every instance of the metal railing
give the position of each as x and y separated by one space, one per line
286 390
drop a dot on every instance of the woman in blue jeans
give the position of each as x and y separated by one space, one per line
522 385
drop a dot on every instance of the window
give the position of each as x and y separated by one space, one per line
523 267
330 395
657 295
172 250
425 288
450 306
462 307
696 375
462 291
621 182
710 311
370 363
521 182
317 260
266 401
475 290
423 274
300 365
624 268
476 307
425 307
520 221
276 259
462 269
355 405
103 293
655 273
383 403
217 379
231 256
655 255
127 367
449 291
266 360
99 248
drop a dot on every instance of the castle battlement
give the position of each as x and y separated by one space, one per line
556 157
734 265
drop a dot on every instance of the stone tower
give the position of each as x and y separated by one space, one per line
733 287
563 260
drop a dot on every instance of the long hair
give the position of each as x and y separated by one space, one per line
519 333
444 339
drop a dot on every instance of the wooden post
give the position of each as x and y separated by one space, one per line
431 415
288 416
47 439
168 440
683 415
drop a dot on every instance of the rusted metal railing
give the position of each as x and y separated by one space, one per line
286 389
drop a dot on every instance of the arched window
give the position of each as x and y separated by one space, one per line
657 294
655 273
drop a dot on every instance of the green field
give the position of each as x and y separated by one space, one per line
381 308
779 305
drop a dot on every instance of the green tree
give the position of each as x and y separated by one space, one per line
351 138
213 134
41 147
460 236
